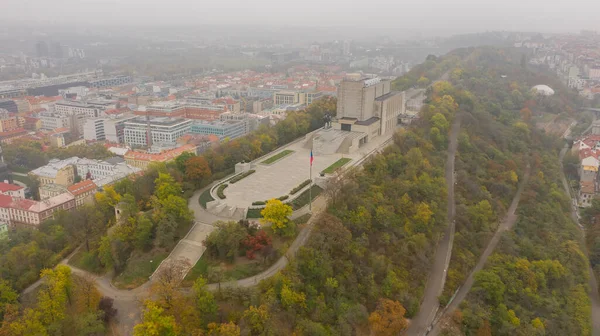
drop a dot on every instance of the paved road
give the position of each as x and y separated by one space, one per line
505 225
594 296
437 276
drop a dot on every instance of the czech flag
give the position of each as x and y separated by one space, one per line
311 158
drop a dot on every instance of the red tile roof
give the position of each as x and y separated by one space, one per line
5 201
82 187
4 187
161 157
22 204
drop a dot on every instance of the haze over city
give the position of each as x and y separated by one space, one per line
438 17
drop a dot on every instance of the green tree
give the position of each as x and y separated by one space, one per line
490 286
166 186
8 296
205 301
225 241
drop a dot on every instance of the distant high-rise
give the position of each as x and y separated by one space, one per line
41 49
56 50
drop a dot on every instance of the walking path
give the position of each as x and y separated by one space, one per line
437 276
505 225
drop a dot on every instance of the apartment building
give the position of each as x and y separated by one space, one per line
90 110
50 121
29 213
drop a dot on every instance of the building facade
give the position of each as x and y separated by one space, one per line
83 192
222 129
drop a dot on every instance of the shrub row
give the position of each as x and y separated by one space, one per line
282 198
300 186
241 176
220 191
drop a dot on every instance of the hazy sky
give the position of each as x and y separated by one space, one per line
428 16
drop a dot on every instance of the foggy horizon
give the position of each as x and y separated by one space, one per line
438 18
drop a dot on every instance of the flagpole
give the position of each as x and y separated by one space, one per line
310 184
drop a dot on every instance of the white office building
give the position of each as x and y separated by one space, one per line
110 128
163 130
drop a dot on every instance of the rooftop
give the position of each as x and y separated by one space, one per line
160 121
367 122
161 157
5 187
387 96
82 187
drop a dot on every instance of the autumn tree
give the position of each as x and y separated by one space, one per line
53 297
197 169
277 214
155 322
256 319
85 295
256 242
223 329
388 318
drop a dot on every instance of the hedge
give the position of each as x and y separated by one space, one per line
300 187
220 191
259 203
241 176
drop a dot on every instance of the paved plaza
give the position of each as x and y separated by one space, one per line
279 178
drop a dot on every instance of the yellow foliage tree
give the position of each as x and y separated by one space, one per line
52 298
276 213
388 319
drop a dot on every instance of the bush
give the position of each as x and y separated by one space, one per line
241 176
300 186
259 203
283 198
220 191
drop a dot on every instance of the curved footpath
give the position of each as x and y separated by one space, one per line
505 225
437 276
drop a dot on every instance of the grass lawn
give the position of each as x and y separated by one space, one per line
254 213
205 197
337 164
87 261
24 179
140 267
303 199
277 156
199 270
20 169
